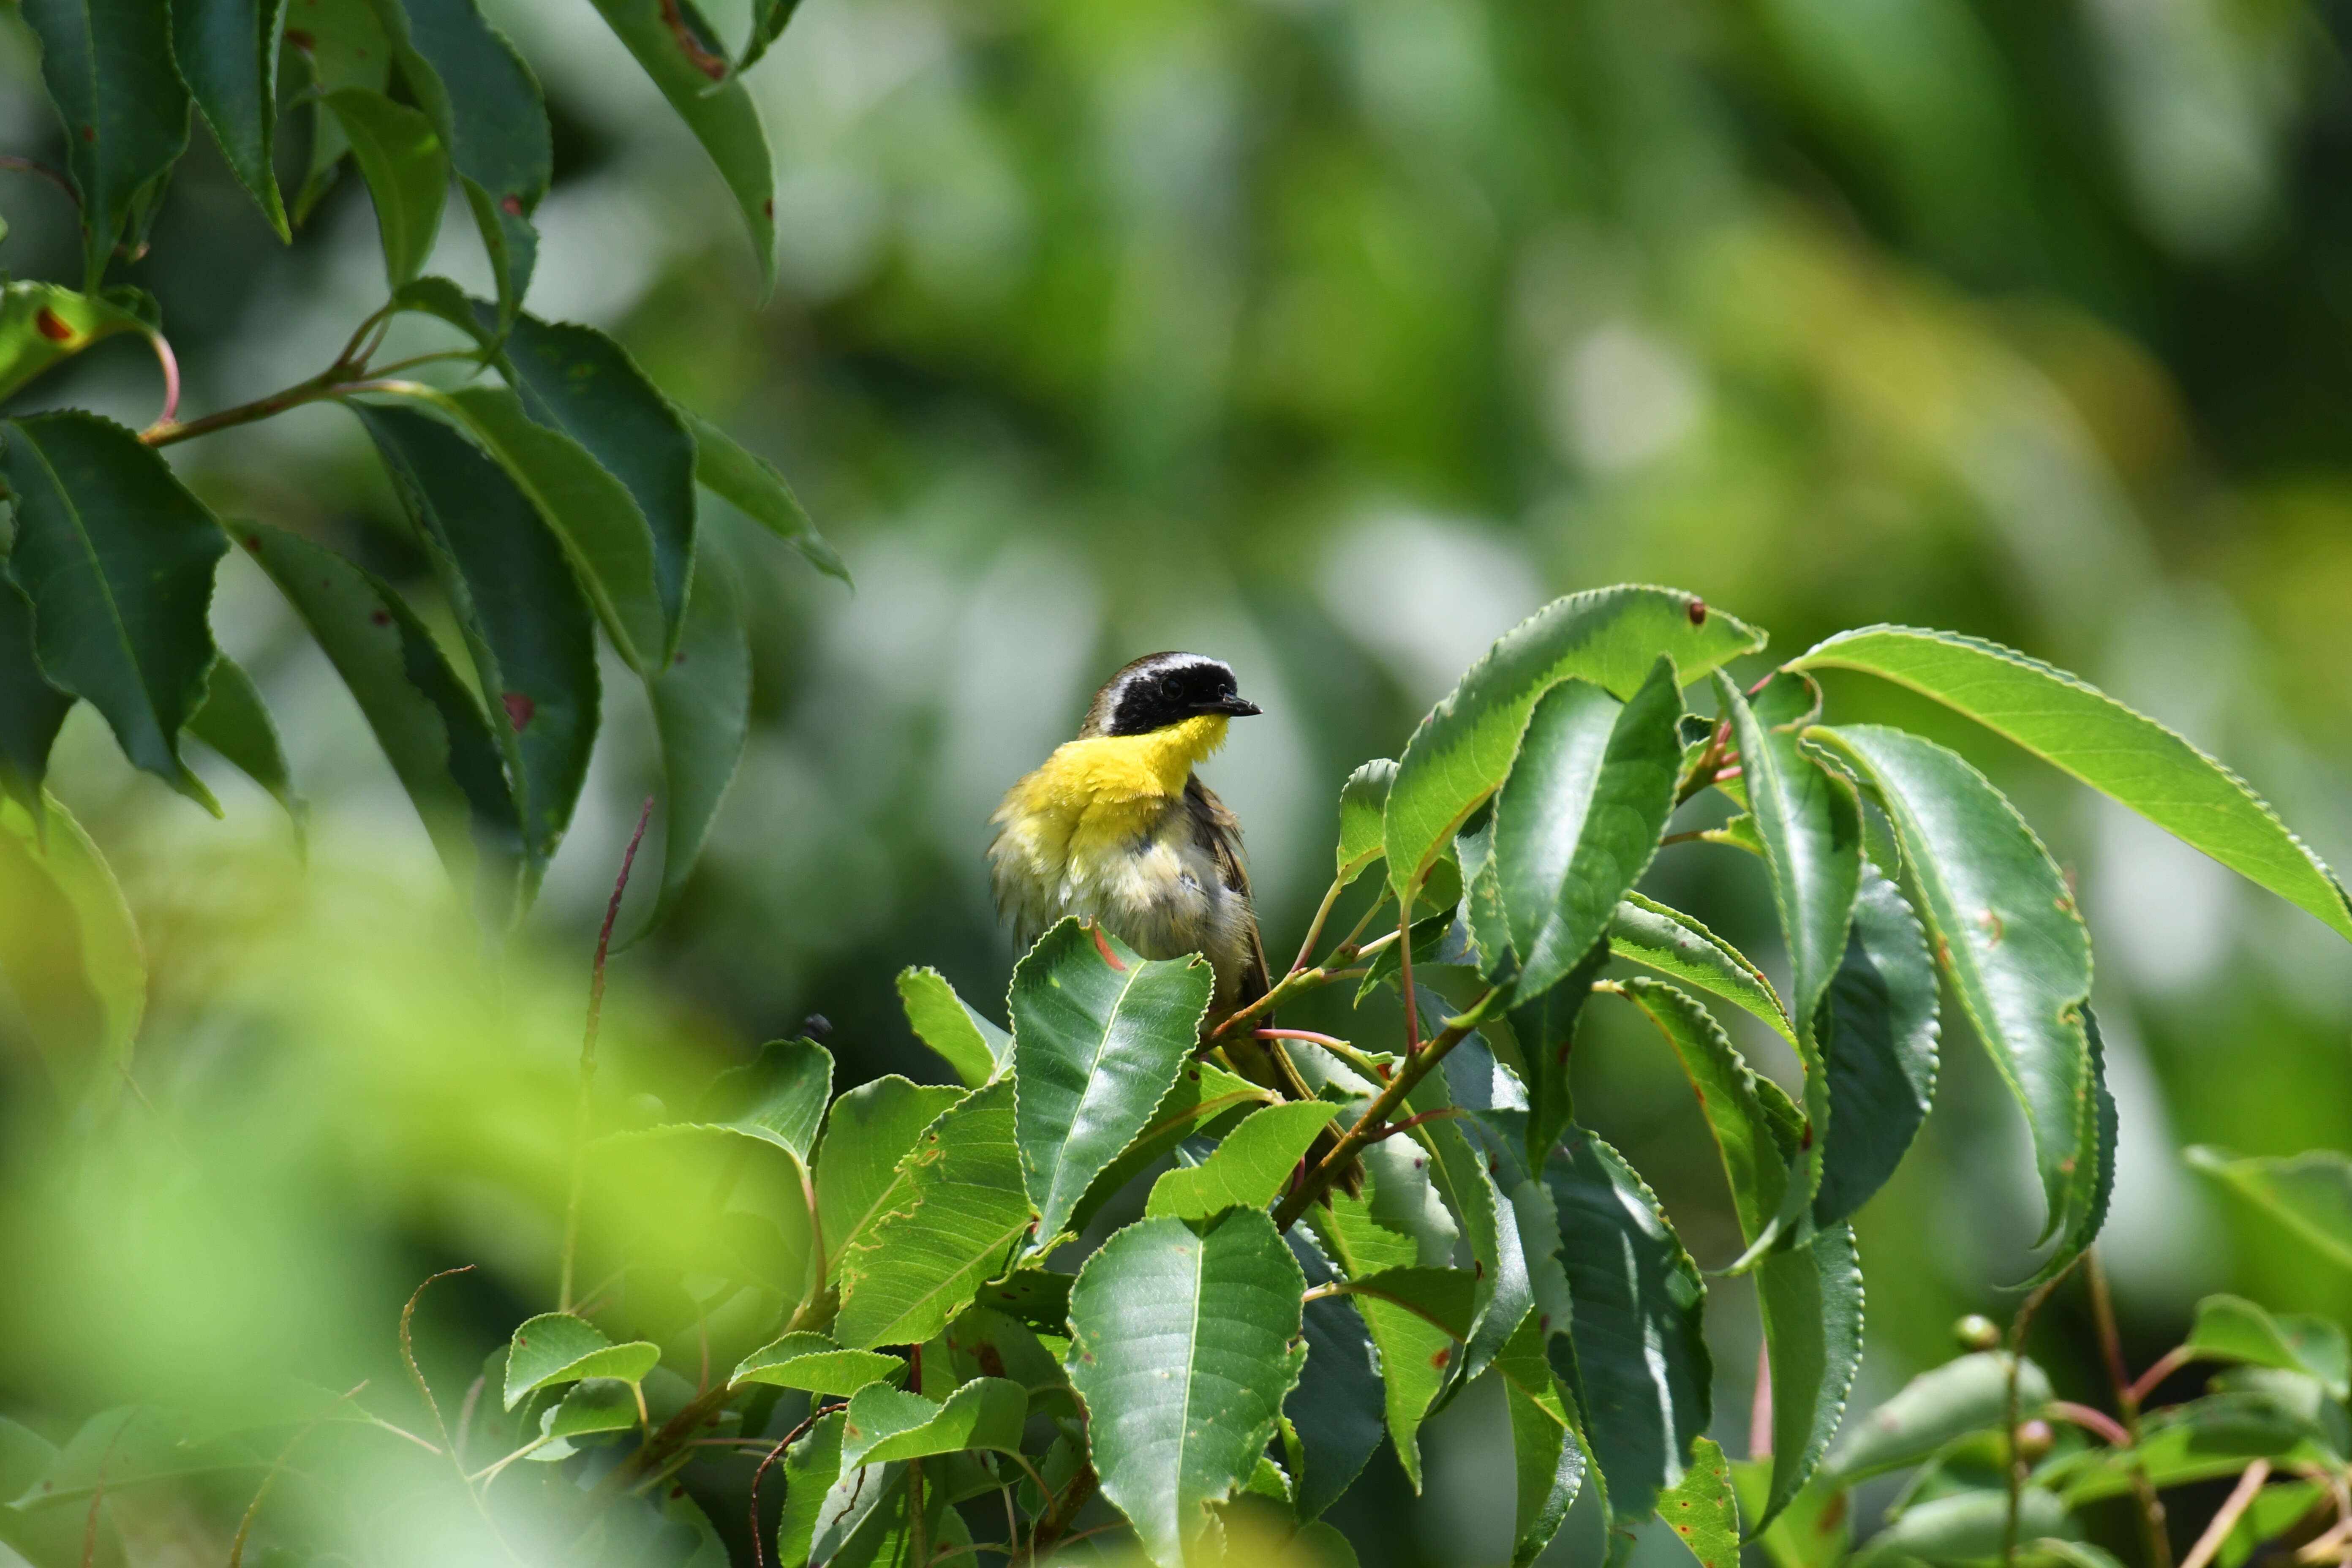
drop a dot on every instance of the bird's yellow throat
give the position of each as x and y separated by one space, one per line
1100 790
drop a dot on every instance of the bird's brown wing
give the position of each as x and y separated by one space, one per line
1218 833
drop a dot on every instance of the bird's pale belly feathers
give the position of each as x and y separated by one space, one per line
1103 832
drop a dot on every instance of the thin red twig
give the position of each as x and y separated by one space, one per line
588 1057
2107 1426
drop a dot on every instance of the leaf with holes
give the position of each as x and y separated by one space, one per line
1461 752
1184 1341
964 1037
1099 1035
108 68
118 559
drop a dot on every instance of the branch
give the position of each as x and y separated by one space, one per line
588 1060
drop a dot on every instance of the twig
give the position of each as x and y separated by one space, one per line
2240 1498
588 1060
97 1494
408 1356
1404 961
1284 988
1410 1122
2171 1362
2016 1465
2129 1396
1046 1532
27 167
244 1525
2106 1427
1315 926
1310 1036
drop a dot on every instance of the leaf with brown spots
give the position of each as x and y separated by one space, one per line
1701 1510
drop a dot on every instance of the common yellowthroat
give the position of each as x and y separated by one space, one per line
1117 829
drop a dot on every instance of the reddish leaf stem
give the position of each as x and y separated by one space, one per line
588 1058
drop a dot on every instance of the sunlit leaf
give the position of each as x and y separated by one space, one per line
908 1274
1938 1407
810 1467
1546 1029
870 1130
1099 1035
2311 1192
812 1361
887 1423
964 1038
118 559
1363 800
597 1404
1249 1168
1504 1292
557 1347
70 948
41 324
1964 1527
1184 1343
2103 743
2230 1327
1701 1510
679 50
780 1096
235 722
228 54
108 68
1461 752
1204 1100
1671 942
1878 1040
753 486
1548 1460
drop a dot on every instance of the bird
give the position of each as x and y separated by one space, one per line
1117 829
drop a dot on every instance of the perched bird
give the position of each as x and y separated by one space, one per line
1117 829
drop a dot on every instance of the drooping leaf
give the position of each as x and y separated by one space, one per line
870 1130
1548 1460
235 722
906 1276
486 106
2006 936
812 1361
1249 1168
406 167
558 1347
781 1096
2230 1327
42 323
1546 1027
228 54
1809 1295
2123 754
887 1423
118 559
1099 1035
432 732
2311 1192
1504 1292
1337 1414
1878 1042
576 380
602 529
1364 799
677 50
32 710
2094 1183
531 636
1418 1319
340 44
1461 752
69 949
1184 1343
768 19
975 1047
1701 1510
1671 942
753 486
1578 820
1941 1405
1638 1363
108 67
1963 1527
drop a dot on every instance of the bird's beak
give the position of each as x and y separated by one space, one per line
1231 707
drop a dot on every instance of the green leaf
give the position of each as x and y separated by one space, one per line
557 1347
768 19
1504 1291
781 1096
108 67
1578 818
32 710
408 172
1363 800
603 532
1671 942
1816 1531
532 638
1204 1098
235 722
576 380
888 1422
676 47
906 1276
1940 1406
2007 936
753 486
1183 1343
427 721
1548 1460
1964 1527
118 559
872 1128
1701 1510
1249 1168
1640 1367
2123 754
69 949
47 1538
1545 1030
976 1048
1418 1319
2230 1327
42 324
1099 1035
597 1404
811 1467
814 1363
228 54
2311 1192
702 709
1878 1040
1037 1297
1461 752
1809 1295
485 107
1337 1414
340 44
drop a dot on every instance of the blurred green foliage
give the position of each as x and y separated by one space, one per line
1330 339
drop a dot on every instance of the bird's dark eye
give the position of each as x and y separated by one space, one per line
1171 687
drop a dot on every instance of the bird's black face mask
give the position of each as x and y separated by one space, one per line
1156 695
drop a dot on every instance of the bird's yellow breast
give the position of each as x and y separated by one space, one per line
1094 794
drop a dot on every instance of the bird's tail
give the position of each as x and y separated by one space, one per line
1267 1063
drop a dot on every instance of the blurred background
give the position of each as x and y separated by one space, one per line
1330 338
